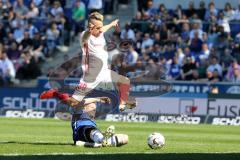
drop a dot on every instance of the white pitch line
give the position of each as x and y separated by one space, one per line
102 153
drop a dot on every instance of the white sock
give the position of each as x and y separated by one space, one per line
97 136
112 141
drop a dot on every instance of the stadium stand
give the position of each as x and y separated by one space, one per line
197 44
184 42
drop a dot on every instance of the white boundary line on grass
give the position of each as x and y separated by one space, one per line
102 153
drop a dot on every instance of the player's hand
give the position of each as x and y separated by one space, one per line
104 100
114 23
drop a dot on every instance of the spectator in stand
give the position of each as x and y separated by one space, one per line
183 19
7 69
180 56
57 11
237 38
6 4
202 10
147 41
226 59
78 16
52 36
214 76
205 38
178 12
187 52
9 39
44 9
236 15
20 8
196 44
195 19
128 33
17 20
37 49
236 51
223 21
1 10
131 57
3 33
138 16
29 69
185 33
157 39
26 43
211 11
205 52
155 51
191 10
138 42
187 69
13 53
212 35
18 33
150 10
31 29
162 10
233 72
95 5
222 41
33 11
213 67
174 70
38 3
228 12
202 67
196 28
164 32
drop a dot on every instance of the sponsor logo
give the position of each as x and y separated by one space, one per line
182 119
25 114
190 88
131 117
32 101
226 121
223 108
234 90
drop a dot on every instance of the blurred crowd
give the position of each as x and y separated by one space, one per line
31 31
199 43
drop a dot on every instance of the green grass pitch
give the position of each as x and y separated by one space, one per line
52 139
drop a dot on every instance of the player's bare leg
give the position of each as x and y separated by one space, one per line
124 87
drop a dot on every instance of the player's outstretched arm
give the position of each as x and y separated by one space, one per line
110 25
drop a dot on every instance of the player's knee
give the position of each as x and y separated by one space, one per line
124 80
73 102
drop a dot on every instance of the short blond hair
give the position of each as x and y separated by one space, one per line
95 15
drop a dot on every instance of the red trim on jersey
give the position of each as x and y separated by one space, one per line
86 57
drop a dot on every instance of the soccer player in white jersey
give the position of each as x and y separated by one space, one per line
95 66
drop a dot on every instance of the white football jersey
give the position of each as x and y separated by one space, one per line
94 53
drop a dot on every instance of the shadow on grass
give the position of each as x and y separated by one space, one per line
35 143
138 156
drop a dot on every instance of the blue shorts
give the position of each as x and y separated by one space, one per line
82 130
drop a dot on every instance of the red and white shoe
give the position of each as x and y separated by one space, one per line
129 104
51 93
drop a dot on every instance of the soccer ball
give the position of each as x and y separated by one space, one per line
156 140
